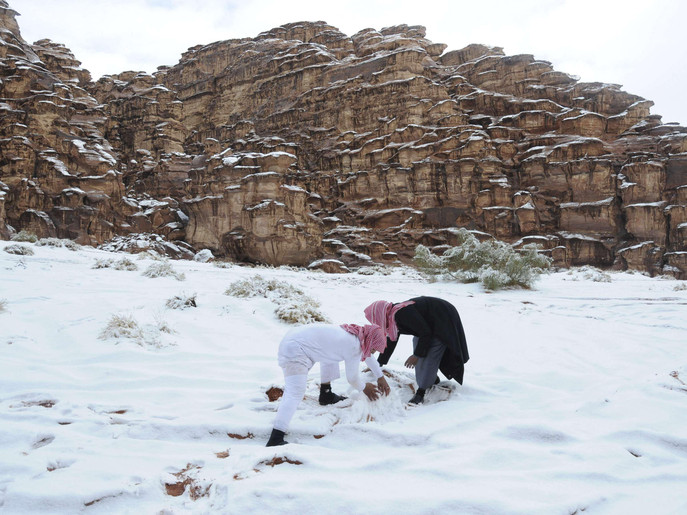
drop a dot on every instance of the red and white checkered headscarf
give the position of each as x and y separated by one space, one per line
382 314
371 338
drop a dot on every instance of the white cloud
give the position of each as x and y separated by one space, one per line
639 44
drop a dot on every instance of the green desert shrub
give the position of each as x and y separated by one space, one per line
25 236
58 243
19 250
293 306
493 263
375 270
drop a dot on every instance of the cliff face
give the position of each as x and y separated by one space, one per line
304 143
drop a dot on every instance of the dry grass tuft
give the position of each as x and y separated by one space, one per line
293 305
122 326
182 301
163 269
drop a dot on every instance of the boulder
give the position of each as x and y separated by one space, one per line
330 266
646 257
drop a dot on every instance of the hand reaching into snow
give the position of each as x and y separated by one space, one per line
383 386
411 361
371 391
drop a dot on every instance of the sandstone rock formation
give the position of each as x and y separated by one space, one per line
304 144
59 175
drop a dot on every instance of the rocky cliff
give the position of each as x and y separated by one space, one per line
304 143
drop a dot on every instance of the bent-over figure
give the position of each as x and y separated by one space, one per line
438 338
327 345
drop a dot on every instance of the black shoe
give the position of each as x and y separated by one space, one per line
419 397
276 438
328 397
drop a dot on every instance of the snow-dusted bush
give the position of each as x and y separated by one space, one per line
151 254
300 311
126 327
3 305
589 273
163 269
25 236
493 263
121 326
125 264
223 264
412 273
19 250
680 287
102 263
182 301
57 243
493 279
290 268
121 264
293 305
375 270
257 286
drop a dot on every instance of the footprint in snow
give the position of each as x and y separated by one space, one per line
537 434
42 441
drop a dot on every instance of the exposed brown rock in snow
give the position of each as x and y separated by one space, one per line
274 393
304 145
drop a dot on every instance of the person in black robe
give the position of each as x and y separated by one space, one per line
438 338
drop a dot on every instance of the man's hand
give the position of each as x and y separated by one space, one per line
411 361
371 391
383 386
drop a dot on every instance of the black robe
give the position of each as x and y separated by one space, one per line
428 318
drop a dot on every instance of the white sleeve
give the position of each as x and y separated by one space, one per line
374 366
353 373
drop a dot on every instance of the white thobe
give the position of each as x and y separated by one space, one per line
327 345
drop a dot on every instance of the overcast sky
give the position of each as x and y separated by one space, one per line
641 45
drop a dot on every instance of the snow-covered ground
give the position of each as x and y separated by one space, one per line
574 397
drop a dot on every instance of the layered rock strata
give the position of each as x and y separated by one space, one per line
306 144
59 174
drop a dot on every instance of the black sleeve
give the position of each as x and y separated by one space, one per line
384 357
410 321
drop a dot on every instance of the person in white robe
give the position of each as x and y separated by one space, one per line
327 345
